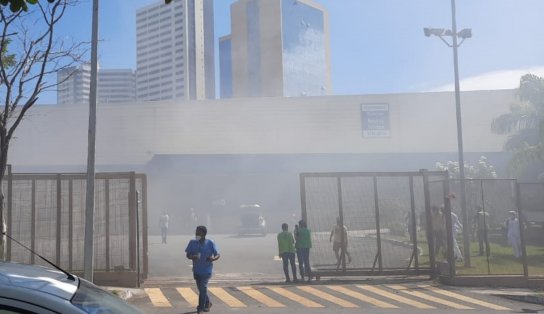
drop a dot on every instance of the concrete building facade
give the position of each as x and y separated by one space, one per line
175 51
116 85
74 85
280 48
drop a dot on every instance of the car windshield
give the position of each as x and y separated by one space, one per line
94 300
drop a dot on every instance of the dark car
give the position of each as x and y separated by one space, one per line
252 221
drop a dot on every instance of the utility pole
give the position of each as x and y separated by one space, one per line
88 255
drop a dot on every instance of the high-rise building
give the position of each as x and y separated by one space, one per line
225 66
279 48
116 85
74 84
113 85
175 50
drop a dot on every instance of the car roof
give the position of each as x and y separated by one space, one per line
37 278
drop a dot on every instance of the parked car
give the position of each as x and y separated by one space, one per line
36 289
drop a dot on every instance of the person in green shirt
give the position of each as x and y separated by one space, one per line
303 244
286 249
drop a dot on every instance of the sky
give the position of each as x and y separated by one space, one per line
377 46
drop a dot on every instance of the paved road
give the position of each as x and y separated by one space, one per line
248 258
324 297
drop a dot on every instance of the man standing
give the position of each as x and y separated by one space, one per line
481 224
286 249
513 233
339 236
303 245
163 224
203 253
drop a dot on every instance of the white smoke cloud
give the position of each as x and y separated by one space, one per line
505 79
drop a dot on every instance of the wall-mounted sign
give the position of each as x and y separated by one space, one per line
375 120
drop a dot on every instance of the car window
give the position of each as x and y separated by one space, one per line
94 300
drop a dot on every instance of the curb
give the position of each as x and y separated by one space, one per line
529 298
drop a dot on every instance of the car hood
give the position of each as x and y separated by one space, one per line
39 278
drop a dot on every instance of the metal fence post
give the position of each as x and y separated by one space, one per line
378 230
412 222
107 207
132 221
59 218
303 197
522 231
144 225
33 221
343 247
10 213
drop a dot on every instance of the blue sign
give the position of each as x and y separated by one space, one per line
375 120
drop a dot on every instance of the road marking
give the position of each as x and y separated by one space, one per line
396 297
157 298
327 296
429 297
465 298
226 297
362 297
260 297
295 297
189 296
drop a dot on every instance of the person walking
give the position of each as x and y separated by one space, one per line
339 237
438 229
203 252
286 250
303 244
513 233
456 228
163 224
481 225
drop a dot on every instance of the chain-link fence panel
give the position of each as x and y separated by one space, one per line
532 213
489 203
46 212
382 217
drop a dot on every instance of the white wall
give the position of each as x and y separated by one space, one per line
130 134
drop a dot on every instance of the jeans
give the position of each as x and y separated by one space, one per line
289 258
303 256
202 286
164 233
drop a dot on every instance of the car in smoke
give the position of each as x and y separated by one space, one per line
252 222
36 289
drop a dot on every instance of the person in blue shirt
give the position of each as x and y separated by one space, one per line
203 253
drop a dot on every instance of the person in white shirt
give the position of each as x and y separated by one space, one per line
163 224
339 237
513 233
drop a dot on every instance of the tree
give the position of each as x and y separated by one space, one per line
30 57
20 5
483 170
525 125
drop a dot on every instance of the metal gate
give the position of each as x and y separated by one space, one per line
46 212
381 221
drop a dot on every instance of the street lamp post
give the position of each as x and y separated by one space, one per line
463 34
88 250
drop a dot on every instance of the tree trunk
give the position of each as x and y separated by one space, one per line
3 166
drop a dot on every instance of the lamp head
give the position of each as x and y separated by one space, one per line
433 31
465 33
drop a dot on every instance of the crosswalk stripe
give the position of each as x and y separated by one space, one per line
157 297
395 297
327 296
465 298
430 297
260 297
295 297
362 297
226 297
189 296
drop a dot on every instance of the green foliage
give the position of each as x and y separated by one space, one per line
483 170
7 59
525 125
18 5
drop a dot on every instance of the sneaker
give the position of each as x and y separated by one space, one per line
287 280
207 308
